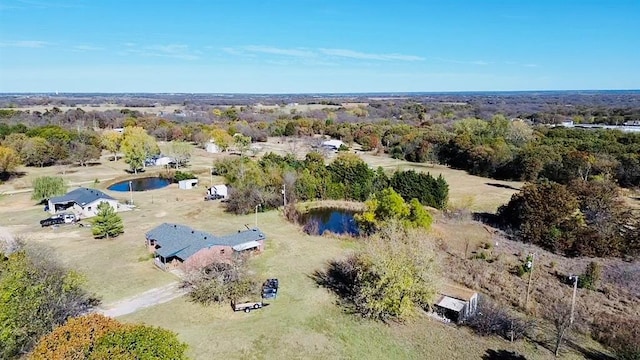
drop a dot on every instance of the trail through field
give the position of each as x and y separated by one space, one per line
146 299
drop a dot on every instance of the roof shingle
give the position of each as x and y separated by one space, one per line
81 196
182 241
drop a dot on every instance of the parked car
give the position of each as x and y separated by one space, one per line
246 306
270 289
58 219
271 283
269 293
212 197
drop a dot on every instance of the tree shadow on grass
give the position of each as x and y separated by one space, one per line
5 176
587 352
502 355
339 277
503 186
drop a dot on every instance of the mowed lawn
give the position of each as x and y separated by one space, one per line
475 192
305 322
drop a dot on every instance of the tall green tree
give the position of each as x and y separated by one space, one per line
107 222
389 279
45 187
9 160
137 146
36 295
111 141
354 174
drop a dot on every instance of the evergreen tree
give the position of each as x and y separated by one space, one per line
107 223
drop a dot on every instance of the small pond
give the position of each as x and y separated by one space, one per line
337 221
142 184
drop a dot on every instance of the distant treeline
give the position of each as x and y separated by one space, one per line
498 147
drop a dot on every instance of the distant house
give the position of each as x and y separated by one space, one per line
187 184
163 161
221 190
180 246
82 201
333 144
212 147
456 303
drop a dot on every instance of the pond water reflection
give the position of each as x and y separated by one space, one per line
337 221
142 184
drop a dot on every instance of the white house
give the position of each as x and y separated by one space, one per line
212 147
82 201
333 144
187 184
218 190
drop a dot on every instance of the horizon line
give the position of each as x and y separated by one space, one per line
313 93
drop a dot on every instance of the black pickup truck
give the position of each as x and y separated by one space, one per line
58 219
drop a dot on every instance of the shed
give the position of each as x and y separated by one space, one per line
219 190
187 184
456 303
212 147
333 144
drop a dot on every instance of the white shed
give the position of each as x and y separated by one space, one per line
333 144
218 190
187 184
212 147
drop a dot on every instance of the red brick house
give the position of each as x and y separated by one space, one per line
181 246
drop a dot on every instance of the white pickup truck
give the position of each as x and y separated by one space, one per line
246 306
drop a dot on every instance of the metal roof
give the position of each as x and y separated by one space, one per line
182 241
80 196
451 303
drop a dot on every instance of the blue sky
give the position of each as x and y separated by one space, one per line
318 46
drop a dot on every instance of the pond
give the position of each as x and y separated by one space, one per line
142 184
337 221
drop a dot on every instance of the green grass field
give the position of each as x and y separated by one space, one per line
304 322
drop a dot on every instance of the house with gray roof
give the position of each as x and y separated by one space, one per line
82 201
178 245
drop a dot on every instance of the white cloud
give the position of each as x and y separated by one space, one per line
176 51
309 54
296 52
345 53
86 48
464 62
25 44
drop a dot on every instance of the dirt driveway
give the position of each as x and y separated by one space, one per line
146 299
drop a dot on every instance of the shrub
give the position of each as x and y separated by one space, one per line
492 319
222 281
179 176
591 278
620 333
388 279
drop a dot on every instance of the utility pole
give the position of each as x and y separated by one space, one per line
210 176
131 193
573 299
257 206
284 195
530 266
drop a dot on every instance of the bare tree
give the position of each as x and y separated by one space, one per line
559 311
